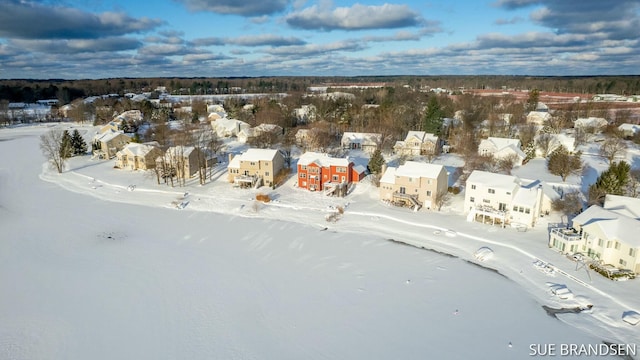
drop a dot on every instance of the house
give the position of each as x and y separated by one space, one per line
136 156
255 167
186 160
367 142
305 114
505 199
418 143
538 117
270 130
606 235
107 144
320 172
502 148
555 140
228 127
593 124
629 130
414 184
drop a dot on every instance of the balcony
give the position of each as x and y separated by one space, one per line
566 234
402 199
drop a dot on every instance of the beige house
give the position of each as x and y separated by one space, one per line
136 156
255 167
608 236
107 144
273 131
414 184
186 160
418 143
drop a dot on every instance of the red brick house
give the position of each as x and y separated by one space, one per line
320 172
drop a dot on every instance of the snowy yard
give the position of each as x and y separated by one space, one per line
100 263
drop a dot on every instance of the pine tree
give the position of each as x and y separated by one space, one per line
376 162
612 181
530 151
79 146
66 150
433 117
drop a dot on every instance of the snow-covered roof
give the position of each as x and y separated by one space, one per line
623 205
590 122
356 137
323 160
389 176
610 224
136 149
626 127
498 181
253 155
180 150
108 135
421 136
414 169
501 143
360 169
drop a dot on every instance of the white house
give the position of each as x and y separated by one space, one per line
225 127
505 199
502 148
305 114
538 117
629 130
608 235
568 141
367 142
418 143
594 123
245 135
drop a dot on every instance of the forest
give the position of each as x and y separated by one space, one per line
28 91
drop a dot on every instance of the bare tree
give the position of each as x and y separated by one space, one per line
543 143
443 197
612 148
507 163
569 204
52 148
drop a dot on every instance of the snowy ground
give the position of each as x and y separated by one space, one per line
228 278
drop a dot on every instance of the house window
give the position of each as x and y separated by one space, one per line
617 245
341 170
502 206
609 244
253 163
472 199
334 178
600 242
429 181
527 211
632 252
303 167
521 209
491 191
266 173
486 201
622 262
473 187
428 192
303 175
515 208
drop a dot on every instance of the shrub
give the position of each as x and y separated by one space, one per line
263 197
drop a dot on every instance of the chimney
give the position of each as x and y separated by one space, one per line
230 157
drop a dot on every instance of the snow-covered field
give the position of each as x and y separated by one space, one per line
226 278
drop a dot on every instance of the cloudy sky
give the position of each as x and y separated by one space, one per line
216 38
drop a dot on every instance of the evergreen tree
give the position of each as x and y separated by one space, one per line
612 181
66 149
376 162
433 117
532 101
563 163
79 146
